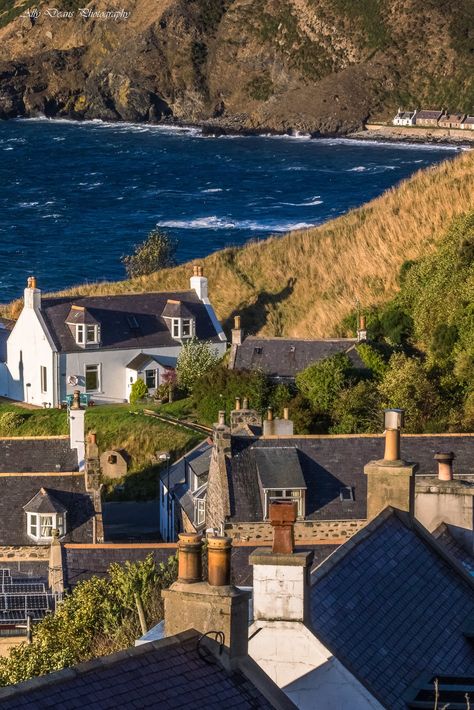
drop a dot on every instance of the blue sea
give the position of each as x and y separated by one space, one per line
75 197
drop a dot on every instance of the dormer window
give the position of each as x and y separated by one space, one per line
87 334
44 513
179 319
182 328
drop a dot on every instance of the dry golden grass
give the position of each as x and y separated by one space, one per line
304 283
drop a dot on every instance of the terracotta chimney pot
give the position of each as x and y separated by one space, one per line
237 322
445 465
394 420
285 413
219 551
362 322
282 518
245 403
189 558
237 403
221 419
270 414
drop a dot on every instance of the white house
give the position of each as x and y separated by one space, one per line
101 345
404 118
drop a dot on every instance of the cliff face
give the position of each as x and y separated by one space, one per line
313 65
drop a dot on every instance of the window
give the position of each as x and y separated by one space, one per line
92 378
150 379
297 495
87 334
182 327
200 511
41 526
186 330
44 379
346 494
80 334
91 334
175 324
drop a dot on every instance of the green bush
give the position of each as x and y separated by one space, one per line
10 422
138 392
357 409
397 324
155 253
195 359
321 382
372 359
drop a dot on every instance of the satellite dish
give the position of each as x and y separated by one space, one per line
72 380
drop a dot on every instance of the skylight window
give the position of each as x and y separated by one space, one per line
258 350
346 494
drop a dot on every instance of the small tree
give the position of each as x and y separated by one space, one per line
321 383
155 253
195 359
139 391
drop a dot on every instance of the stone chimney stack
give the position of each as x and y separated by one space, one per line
218 494
211 607
32 294
243 420
278 427
237 332
445 465
198 283
281 577
77 429
362 329
391 481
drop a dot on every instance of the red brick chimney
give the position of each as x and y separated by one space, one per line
282 516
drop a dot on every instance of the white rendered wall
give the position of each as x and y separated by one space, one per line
28 348
305 669
278 592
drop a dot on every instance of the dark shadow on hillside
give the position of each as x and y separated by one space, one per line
254 317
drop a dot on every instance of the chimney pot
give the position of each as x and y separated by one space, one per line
221 418
362 322
282 518
246 403
237 403
285 413
237 322
76 400
270 414
92 437
445 465
189 558
394 420
219 549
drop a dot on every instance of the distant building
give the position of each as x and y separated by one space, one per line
102 344
468 123
428 118
404 118
451 120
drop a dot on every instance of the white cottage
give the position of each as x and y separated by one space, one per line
101 345
405 118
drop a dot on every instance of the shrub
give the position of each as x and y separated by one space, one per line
443 341
372 359
397 324
321 382
194 360
139 391
357 409
155 253
10 422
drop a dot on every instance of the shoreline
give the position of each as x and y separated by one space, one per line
383 135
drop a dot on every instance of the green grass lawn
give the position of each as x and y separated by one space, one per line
119 427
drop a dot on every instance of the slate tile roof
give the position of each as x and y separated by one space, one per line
390 606
126 320
331 463
454 548
36 454
285 357
169 674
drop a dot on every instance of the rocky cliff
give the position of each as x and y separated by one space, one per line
314 65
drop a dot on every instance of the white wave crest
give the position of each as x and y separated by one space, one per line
214 222
313 201
213 189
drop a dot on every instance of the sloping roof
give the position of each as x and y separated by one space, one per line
176 309
330 463
455 549
285 357
80 314
44 502
139 361
390 606
168 674
126 320
469 120
426 113
279 467
22 455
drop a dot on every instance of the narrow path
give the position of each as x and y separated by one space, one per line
178 422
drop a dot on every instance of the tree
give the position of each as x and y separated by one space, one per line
321 382
357 409
139 391
156 252
195 359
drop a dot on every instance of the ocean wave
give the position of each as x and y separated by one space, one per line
28 204
214 222
213 189
358 169
316 200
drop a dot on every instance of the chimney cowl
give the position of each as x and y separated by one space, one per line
394 418
219 549
190 558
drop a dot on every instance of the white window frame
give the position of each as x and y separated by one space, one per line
200 511
87 334
99 377
178 326
44 379
288 494
155 378
37 521
80 334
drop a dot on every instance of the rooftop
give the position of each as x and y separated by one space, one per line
37 454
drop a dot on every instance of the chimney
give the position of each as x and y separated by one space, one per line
270 414
281 577
211 607
237 332
285 413
218 493
237 404
77 429
198 283
362 329
390 481
245 403
92 465
244 421
277 427
445 465
56 566
32 295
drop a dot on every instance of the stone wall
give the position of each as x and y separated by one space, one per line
28 552
306 531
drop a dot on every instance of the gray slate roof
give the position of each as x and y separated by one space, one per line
117 316
44 502
20 455
285 357
330 463
279 467
168 674
390 607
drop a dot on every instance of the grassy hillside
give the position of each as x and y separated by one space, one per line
305 283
